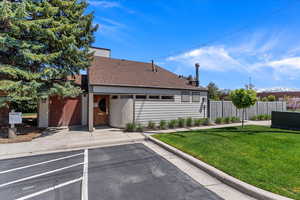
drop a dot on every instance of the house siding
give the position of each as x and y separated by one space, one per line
156 110
147 110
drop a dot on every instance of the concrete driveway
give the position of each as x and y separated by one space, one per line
130 171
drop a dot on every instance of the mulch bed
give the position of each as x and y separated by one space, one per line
25 133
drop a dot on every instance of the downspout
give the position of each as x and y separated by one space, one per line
133 109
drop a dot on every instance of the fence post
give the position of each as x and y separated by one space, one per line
222 108
257 108
208 108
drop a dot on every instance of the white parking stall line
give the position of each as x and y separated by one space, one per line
84 185
39 175
41 163
49 189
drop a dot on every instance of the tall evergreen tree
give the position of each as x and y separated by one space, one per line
42 42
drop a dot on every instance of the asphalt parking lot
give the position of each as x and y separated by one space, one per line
127 172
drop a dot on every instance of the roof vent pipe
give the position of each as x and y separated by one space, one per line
153 66
197 65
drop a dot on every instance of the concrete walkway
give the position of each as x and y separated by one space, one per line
209 182
64 139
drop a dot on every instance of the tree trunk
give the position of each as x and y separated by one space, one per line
12 132
243 117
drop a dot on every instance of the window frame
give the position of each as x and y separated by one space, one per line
187 94
196 94
167 99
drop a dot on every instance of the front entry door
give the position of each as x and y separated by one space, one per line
101 103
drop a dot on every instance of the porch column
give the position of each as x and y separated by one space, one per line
91 112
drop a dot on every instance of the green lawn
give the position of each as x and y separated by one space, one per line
261 156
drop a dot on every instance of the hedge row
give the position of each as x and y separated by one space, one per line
163 124
261 117
227 120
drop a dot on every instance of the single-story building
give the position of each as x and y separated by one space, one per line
121 91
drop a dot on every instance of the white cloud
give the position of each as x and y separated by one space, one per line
104 4
215 58
257 57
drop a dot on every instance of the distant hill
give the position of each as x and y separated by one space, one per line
277 89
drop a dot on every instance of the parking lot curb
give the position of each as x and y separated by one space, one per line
218 174
72 147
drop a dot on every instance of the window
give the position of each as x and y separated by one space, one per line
167 97
126 97
196 96
185 96
141 97
102 105
114 97
153 97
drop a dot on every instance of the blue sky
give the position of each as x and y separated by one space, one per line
231 39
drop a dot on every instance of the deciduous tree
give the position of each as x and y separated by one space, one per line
243 99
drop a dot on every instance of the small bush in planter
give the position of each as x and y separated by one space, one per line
260 117
151 125
172 123
189 122
181 122
130 127
206 122
219 120
235 119
267 117
197 122
140 128
254 118
227 120
162 124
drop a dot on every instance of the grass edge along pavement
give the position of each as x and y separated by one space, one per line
261 156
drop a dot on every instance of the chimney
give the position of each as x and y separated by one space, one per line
153 66
197 74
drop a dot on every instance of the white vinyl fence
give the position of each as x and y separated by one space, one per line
227 109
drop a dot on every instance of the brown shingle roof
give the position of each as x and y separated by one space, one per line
115 72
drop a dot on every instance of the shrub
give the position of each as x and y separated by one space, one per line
198 122
181 122
254 118
140 128
162 124
235 119
189 122
260 117
130 127
267 117
227 120
219 120
151 125
271 98
172 123
207 122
